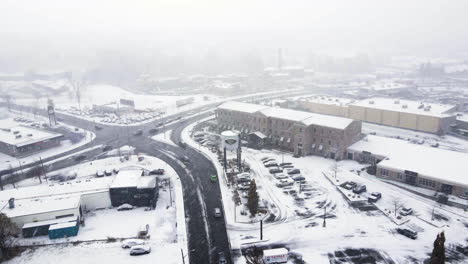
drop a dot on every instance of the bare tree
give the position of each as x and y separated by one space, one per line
8 232
78 91
397 204
335 168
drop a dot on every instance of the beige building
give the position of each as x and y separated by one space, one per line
426 117
325 105
303 133
401 161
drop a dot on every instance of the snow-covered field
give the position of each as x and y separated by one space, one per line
66 145
299 226
166 223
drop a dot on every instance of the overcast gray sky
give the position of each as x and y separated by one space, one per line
88 26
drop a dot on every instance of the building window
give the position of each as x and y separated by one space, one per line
383 172
400 176
300 129
321 140
329 142
313 140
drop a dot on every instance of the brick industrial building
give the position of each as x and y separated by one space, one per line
303 133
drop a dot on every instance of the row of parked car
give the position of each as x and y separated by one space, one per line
136 246
106 172
361 188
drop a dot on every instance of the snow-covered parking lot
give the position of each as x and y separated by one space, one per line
299 224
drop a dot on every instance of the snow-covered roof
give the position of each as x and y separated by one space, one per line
70 188
305 118
327 121
40 205
328 100
22 135
62 225
437 164
398 105
133 178
286 114
51 222
241 107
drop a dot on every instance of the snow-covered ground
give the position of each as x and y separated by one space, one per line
164 137
167 228
151 107
66 145
299 226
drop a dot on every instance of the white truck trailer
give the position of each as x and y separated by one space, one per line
276 255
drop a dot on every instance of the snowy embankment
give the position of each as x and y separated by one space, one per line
164 137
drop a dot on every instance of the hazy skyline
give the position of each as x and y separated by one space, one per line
69 31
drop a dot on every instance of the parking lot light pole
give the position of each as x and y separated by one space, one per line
325 216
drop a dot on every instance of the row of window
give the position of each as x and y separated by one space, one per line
426 182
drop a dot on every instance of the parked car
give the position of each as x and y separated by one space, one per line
139 132
287 166
298 177
97 127
244 186
108 172
408 233
99 173
406 211
140 250
125 207
271 164
275 170
265 158
217 212
284 182
280 176
157 172
115 170
374 197
128 243
359 189
268 160
285 163
221 258
293 171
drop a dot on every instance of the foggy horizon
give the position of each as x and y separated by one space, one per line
49 35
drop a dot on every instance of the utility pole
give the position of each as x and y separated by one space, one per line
325 216
261 229
235 211
183 257
42 170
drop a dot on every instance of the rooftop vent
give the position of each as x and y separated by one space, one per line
421 106
18 136
427 108
11 203
15 132
30 135
371 102
404 106
397 102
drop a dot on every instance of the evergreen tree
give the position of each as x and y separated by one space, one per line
252 199
8 231
438 253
